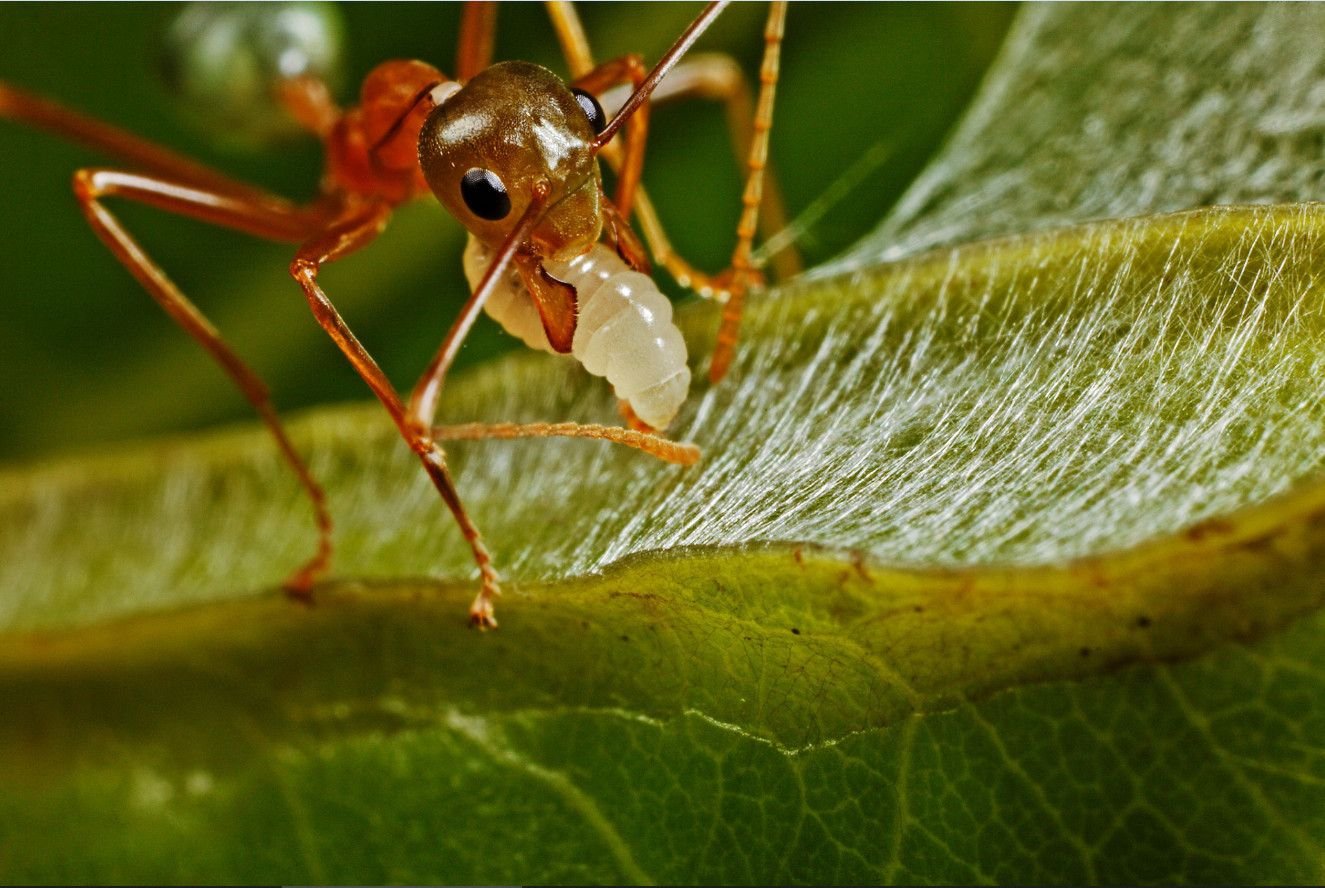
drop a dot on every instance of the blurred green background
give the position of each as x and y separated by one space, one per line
87 358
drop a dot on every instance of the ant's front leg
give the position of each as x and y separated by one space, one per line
426 396
622 237
335 242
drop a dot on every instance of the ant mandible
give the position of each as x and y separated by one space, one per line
512 152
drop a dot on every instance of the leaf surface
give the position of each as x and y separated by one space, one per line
768 676
1005 563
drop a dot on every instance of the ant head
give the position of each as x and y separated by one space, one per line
514 130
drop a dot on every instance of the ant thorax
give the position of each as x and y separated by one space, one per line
371 150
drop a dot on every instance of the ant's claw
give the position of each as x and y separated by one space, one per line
299 589
481 618
481 610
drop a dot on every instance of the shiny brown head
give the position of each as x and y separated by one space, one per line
514 129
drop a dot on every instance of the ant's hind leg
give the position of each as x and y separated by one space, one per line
54 118
273 221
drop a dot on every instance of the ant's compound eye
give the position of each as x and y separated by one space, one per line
485 195
592 110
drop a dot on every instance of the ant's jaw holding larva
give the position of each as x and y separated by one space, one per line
572 225
511 129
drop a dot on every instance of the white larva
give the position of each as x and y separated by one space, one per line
624 332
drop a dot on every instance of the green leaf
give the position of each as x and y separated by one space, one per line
712 709
1161 109
1005 563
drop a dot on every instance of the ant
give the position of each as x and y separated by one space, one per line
512 152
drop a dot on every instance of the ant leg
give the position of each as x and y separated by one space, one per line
570 34
478 25
742 268
595 78
626 69
52 117
741 271
654 445
623 237
717 77
713 77
339 240
423 408
426 396
272 221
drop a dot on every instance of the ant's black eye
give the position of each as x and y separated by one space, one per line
592 110
485 195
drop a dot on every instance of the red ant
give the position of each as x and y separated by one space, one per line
512 151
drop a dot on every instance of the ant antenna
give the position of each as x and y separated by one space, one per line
424 400
665 64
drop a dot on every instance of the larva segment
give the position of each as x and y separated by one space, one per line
624 331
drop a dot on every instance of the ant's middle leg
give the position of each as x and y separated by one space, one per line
269 219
